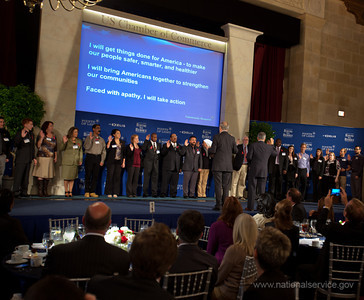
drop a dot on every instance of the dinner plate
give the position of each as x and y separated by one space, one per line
38 246
11 262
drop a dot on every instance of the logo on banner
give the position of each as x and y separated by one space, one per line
309 134
330 136
89 122
206 134
141 127
117 125
186 132
164 130
288 133
309 147
330 147
349 137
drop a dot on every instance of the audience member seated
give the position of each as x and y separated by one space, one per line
190 258
153 251
283 221
298 209
12 235
314 214
221 231
245 234
56 288
91 255
271 252
265 206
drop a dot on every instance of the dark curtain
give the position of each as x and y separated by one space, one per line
267 87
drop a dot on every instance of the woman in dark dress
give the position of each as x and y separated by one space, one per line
331 173
133 162
292 168
317 166
115 160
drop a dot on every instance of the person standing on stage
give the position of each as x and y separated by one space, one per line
71 159
151 149
115 160
24 155
317 165
222 149
258 155
277 167
205 170
4 148
171 166
303 170
133 163
95 156
357 164
240 166
292 168
192 164
344 167
47 157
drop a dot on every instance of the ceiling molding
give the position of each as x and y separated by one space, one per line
356 7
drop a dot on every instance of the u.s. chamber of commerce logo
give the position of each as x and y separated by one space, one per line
309 134
141 127
349 137
85 122
287 133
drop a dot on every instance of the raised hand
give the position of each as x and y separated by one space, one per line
24 132
109 138
198 144
186 142
91 135
349 157
65 139
147 137
131 147
41 134
311 156
168 143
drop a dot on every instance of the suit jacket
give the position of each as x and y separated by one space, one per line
239 157
24 148
126 287
191 258
299 212
86 258
111 152
258 291
258 155
5 141
223 147
71 156
192 160
151 157
283 161
318 166
171 158
129 156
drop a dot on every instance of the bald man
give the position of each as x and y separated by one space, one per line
91 255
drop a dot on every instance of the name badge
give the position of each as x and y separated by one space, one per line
75 147
344 159
114 146
97 142
26 141
157 152
198 152
356 158
48 139
320 161
283 153
295 158
6 139
304 158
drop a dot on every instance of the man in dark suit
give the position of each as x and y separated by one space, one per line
277 166
222 149
152 253
91 255
151 149
24 155
190 258
271 251
171 166
192 164
258 155
298 209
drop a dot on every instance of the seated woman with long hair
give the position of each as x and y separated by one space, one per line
221 231
245 234
283 221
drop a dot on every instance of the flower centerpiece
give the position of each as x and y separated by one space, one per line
122 237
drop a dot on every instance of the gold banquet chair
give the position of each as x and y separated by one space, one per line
345 269
138 224
81 282
63 223
187 285
248 276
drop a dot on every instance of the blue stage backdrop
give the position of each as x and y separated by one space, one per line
315 136
129 126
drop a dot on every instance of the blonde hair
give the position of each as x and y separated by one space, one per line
245 232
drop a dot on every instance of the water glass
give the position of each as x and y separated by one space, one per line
47 241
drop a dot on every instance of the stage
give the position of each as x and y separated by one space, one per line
34 212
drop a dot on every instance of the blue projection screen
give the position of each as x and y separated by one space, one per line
133 75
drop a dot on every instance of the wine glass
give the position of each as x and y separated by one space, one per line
56 235
313 227
47 241
305 225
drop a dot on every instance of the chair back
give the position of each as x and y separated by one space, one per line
202 242
187 285
345 271
248 276
63 223
81 282
138 225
